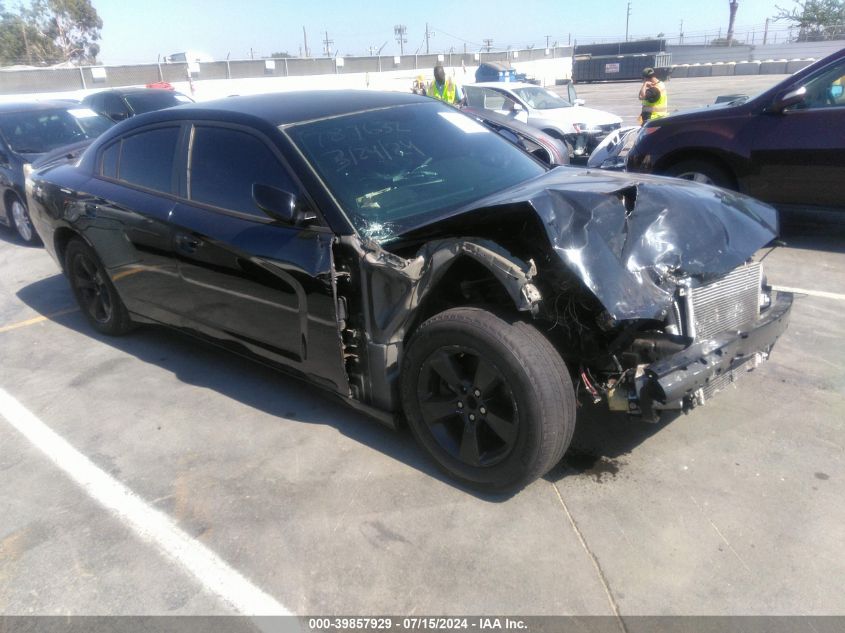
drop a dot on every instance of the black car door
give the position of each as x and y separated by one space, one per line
126 219
254 282
798 155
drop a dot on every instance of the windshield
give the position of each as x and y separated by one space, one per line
397 168
541 99
41 131
155 100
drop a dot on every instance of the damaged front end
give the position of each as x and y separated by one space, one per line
646 286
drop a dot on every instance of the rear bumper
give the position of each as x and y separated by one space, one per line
678 378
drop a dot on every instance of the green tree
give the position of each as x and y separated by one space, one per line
816 19
49 32
21 42
72 25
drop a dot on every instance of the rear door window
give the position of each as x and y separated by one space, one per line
147 158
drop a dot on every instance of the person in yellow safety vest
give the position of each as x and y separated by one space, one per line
443 88
654 97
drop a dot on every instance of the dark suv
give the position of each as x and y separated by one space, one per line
27 132
785 146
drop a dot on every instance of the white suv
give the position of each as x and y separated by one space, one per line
582 129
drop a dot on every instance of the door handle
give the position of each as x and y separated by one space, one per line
187 243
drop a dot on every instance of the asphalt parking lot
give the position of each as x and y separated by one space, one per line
238 488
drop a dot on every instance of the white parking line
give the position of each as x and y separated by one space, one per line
812 293
214 574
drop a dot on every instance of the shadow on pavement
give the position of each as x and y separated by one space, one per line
814 231
601 442
599 437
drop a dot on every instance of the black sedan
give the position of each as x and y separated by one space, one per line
122 103
548 149
409 260
785 146
27 132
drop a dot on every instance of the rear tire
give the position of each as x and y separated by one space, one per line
703 171
489 399
94 291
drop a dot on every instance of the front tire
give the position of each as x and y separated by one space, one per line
703 171
489 399
94 291
19 216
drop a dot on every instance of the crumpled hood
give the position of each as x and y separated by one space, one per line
631 238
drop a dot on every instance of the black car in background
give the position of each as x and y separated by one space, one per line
548 149
785 146
123 103
411 261
27 132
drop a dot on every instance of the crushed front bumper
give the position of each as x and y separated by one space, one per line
679 380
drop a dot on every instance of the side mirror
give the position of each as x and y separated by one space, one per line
278 204
578 102
117 117
791 98
517 107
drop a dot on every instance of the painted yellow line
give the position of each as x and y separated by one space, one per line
812 293
36 320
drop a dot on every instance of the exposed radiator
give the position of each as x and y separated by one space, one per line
725 304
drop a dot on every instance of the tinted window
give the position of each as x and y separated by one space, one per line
146 159
825 90
41 131
113 107
225 163
155 100
109 160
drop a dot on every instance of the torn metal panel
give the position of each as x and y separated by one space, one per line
397 286
631 239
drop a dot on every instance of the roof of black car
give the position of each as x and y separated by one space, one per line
30 106
292 107
131 91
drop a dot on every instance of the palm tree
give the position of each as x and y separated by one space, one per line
734 5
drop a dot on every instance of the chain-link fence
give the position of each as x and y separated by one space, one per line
38 80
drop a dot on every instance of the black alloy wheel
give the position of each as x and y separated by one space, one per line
467 406
488 397
94 291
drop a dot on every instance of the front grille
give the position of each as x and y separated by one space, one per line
610 127
725 379
727 303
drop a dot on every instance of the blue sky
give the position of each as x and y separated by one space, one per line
139 32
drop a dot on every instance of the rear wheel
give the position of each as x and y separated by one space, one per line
703 171
94 291
489 399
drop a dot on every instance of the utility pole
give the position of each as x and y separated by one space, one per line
305 42
428 34
681 36
548 37
734 5
487 44
627 20
766 32
399 32
327 43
